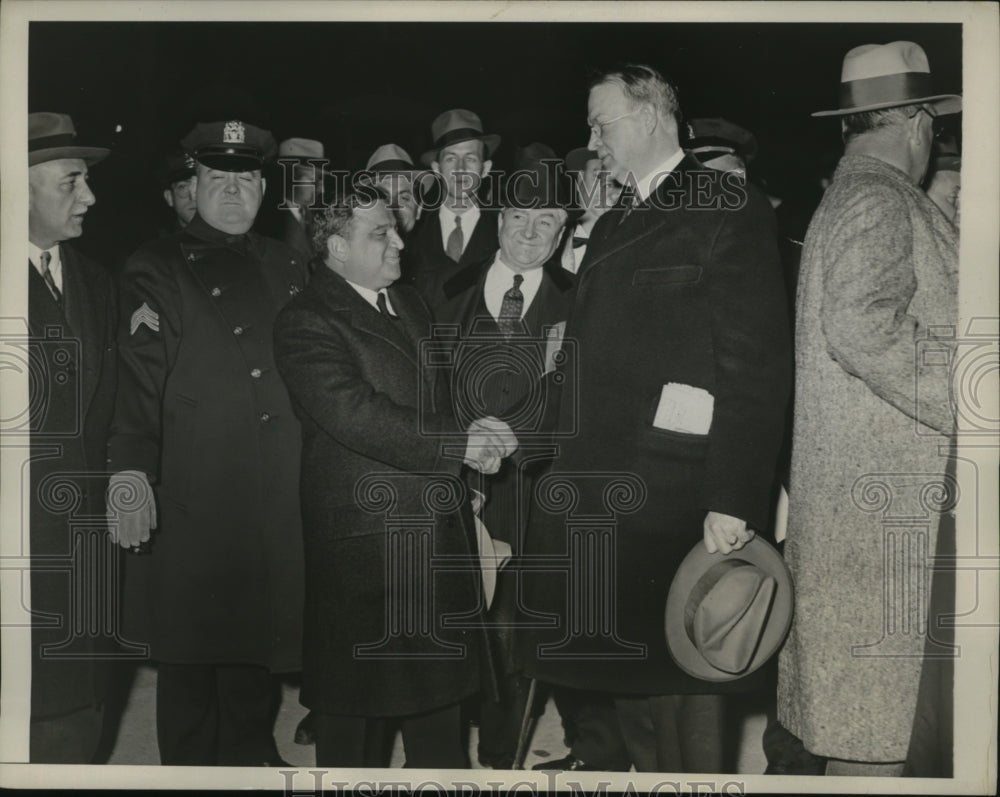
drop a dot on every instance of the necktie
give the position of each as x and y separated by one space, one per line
456 241
44 259
579 240
383 308
510 310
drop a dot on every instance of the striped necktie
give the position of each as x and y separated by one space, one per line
456 241
43 260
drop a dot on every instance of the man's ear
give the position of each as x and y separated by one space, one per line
168 197
487 165
263 185
336 245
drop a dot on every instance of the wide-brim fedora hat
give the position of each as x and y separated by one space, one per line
455 126
878 76
727 615
52 136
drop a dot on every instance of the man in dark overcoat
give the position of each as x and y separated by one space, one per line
459 232
203 415
677 399
393 625
72 320
510 312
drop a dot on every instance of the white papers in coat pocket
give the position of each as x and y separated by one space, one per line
553 344
684 408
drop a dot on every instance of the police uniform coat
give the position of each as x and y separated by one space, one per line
203 412
876 313
393 595
72 354
686 288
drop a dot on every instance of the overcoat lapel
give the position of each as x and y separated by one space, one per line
81 315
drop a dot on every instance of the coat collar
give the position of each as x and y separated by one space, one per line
339 297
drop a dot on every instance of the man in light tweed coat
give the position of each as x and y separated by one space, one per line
876 314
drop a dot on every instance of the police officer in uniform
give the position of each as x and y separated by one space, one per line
215 585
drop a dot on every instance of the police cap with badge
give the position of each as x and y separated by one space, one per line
231 146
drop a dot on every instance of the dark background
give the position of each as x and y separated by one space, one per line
355 86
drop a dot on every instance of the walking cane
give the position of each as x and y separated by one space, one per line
522 739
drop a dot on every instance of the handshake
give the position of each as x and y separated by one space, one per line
490 440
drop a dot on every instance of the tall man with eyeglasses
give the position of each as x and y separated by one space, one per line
677 397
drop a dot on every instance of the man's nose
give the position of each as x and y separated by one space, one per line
396 239
592 141
86 196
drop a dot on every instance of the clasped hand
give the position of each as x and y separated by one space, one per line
490 440
725 533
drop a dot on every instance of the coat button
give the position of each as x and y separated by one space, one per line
216 292
255 373
237 331
265 417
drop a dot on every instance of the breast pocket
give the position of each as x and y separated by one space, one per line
668 276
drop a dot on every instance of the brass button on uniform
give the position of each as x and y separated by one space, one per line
255 373
237 331
216 292
265 417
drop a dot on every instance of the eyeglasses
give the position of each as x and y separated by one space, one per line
937 122
597 128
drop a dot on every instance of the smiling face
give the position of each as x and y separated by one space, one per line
58 198
229 201
368 253
462 166
529 237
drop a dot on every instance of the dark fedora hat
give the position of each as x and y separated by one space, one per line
727 615
709 138
537 180
877 76
577 159
231 146
51 136
452 127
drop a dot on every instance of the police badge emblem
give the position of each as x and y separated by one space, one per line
234 133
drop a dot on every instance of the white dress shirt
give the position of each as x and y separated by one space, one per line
648 184
55 264
469 220
371 296
500 279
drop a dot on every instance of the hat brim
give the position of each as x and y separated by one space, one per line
695 564
944 104
230 162
89 155
492 141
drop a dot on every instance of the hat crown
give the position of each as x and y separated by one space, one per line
727 615
877 60
577 159
388 152
543 187
300 148
43 124
455 119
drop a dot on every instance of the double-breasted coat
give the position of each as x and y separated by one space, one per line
876 313
685 288
203 412
74 364
393 622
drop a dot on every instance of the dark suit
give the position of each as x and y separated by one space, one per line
501 391
379 498
72 352
203 412
429 264
674 294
